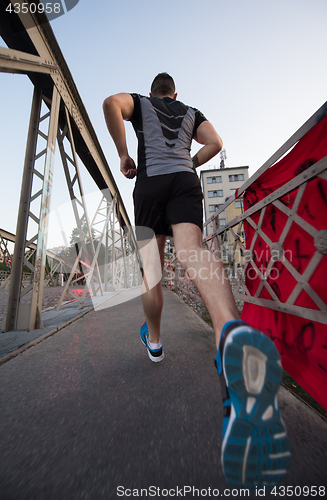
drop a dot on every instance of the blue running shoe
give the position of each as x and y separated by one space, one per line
255 448
155 355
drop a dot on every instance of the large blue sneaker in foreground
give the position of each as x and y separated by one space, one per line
255 448
155 355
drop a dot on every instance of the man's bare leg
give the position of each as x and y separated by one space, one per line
250 372
152 252
207 273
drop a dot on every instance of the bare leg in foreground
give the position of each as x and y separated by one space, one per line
208 274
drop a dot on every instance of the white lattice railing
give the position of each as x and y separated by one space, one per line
215 241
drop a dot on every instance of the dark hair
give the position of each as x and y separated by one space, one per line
162 85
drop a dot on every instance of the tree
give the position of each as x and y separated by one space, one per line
75 236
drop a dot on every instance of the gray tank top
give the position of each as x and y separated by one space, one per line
165 129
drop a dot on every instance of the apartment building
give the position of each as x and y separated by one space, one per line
218 184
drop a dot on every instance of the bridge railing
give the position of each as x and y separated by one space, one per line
281 237
216 241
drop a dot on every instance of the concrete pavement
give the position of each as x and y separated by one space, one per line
85 414
16 341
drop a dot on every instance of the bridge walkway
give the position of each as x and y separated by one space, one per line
85 412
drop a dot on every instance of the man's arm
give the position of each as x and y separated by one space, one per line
207 135
116 109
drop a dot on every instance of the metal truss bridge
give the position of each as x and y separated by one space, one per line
58 115
282 232
85 414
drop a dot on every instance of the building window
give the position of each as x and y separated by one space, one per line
214 194
212 180
237 177
238 204
222 222
213 208
232 191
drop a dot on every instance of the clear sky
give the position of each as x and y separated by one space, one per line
256 68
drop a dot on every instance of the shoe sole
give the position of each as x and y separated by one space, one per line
155 359
255 449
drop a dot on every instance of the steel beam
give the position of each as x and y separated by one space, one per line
22 221
76 194
15 61
36 306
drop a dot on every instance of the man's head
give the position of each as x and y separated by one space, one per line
163 85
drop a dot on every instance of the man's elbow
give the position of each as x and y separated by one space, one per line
122 104
108 103
218 145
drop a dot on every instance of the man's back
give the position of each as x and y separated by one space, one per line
165 128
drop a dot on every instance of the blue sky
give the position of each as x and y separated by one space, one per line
255 68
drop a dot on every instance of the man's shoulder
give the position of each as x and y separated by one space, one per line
184 106
135 95
198 115
138 99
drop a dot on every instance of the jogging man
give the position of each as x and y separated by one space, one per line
168 197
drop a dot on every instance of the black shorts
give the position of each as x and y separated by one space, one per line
162 200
